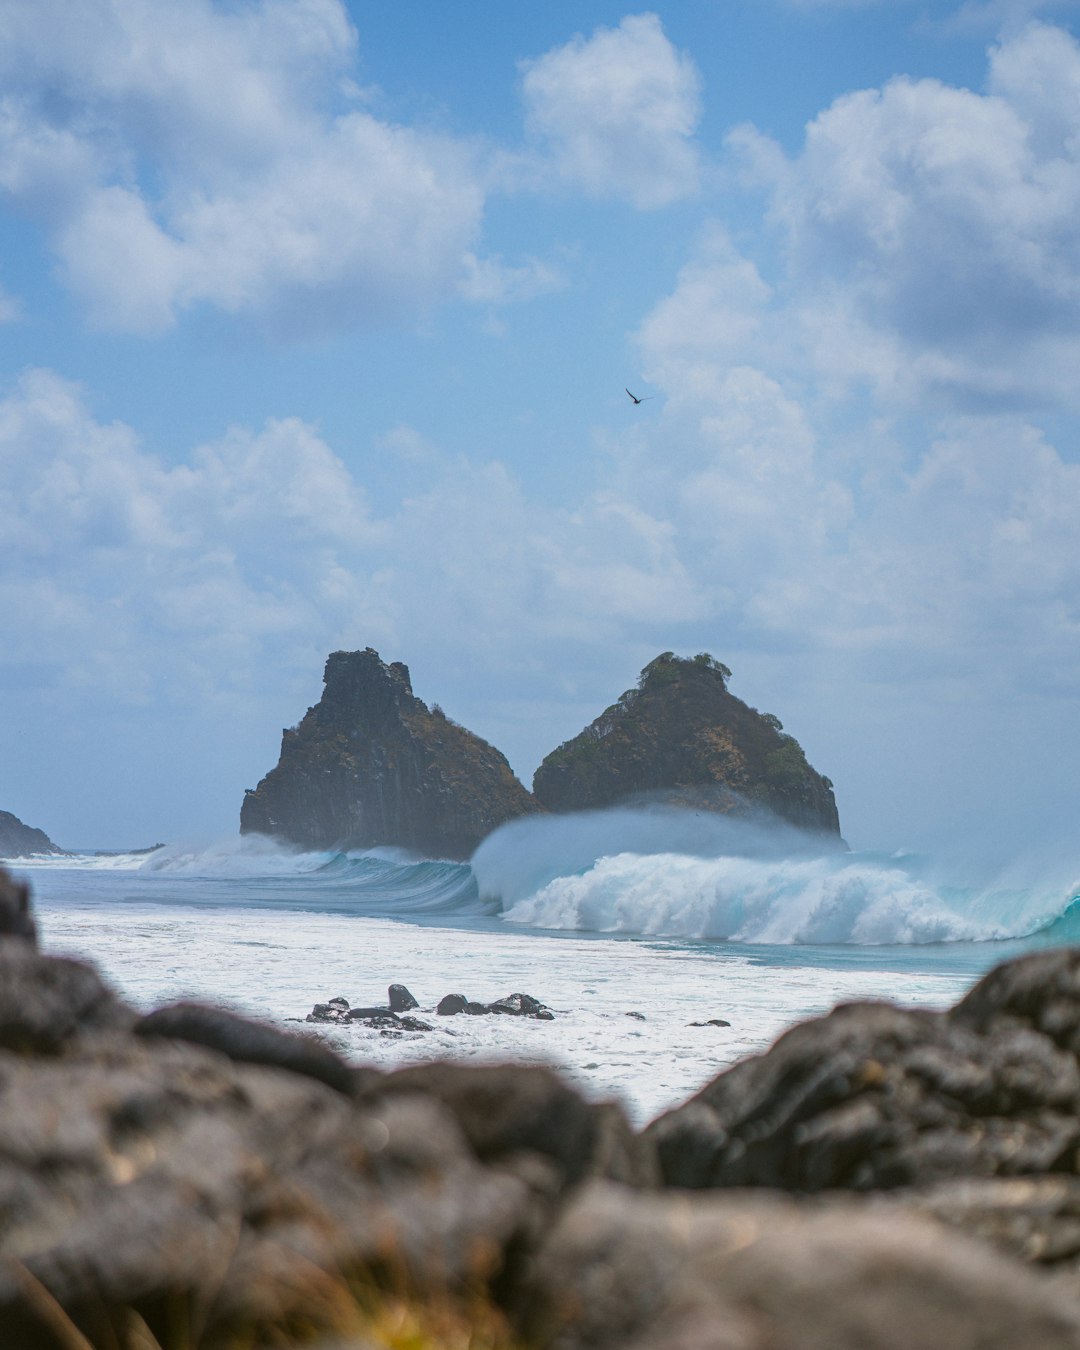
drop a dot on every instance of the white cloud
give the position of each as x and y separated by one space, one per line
187 154
491 281
119 564
142 578
933 233
709 323
617 113
849 447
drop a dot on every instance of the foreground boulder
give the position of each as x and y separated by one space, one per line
682 736
875 1097
16 918
371 764
189 1177
669 1272
193 1168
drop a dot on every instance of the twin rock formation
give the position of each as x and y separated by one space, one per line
372 765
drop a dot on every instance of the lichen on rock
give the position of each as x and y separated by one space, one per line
682 735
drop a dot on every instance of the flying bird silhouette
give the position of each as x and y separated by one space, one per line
639 400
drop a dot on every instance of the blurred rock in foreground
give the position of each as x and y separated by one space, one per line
199 1181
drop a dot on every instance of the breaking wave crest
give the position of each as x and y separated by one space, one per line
671 873
651 870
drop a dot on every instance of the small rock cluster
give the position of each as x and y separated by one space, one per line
513 1005
390 1020
393 1018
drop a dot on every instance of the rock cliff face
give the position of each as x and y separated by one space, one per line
371 764
20 841
682 734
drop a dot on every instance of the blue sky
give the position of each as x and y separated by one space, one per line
316 320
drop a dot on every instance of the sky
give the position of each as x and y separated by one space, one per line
316 320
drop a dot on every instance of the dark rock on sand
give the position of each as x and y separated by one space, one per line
680 735
363 1014
23 841
875 1097
384 1020
400 999
371 764
512 1005
521 1005
406 1023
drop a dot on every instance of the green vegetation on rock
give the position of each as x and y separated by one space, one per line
680 732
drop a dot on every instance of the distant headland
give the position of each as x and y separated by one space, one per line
23 841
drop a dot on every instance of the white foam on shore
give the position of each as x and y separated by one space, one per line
277 966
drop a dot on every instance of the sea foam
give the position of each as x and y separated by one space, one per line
663 871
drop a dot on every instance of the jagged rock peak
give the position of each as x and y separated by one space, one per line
370 764
680 733
22 841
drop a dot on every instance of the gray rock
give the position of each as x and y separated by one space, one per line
16 919
388 1022
507 1110
876 1097
46 1002
669 1272
451 1005
250 1042
401 1000
1036 1219
522 1005
154 1173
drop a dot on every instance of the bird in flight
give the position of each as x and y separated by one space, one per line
639 400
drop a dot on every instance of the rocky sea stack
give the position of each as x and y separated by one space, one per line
371 764
682 735
22 841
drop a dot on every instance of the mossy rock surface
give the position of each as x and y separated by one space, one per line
683 734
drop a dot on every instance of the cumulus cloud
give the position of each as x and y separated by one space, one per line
617 113
187 154
261 547
850 446
121 565
933 231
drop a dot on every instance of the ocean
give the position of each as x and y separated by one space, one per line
633 925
